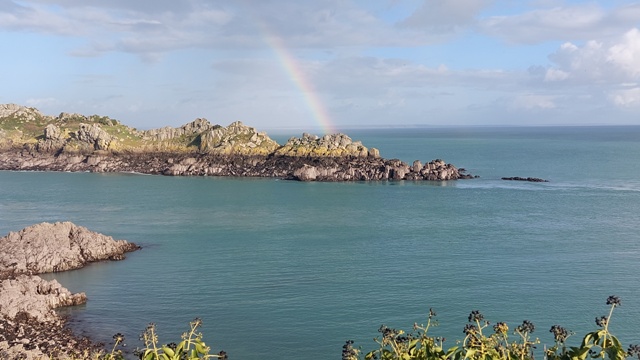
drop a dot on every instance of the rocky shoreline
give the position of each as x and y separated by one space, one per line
30 140
29 326
349 168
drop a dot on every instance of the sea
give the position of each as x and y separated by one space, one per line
291 270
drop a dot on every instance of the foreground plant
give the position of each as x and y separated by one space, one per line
479 344
598 344
192 347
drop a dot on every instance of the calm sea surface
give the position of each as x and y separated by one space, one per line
290 270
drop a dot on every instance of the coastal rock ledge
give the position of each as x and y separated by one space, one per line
46 247
29 326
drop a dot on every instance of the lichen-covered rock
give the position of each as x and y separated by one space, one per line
237 139
336 145
47 247
20 112
93 135
195 127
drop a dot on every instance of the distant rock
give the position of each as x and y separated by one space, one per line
77 143
336 145
61 246
530 179
236 139
20 112
195 127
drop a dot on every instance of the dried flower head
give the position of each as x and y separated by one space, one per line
602 321
431 313
348 352
470 329
560 334
118 338
613 300
501 328
633 350
475 316
526 327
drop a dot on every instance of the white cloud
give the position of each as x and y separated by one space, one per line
445 16
562 23
614 62
555 75
626 98
626 55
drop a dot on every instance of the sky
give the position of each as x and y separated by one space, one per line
325 65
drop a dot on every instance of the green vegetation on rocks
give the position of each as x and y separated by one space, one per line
74 133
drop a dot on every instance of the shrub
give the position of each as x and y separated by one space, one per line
192 347
481 344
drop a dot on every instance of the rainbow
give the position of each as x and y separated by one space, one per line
291 67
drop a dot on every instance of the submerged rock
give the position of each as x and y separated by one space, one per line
530 179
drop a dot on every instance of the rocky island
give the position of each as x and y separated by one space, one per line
30 140
29 326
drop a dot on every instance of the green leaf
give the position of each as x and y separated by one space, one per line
580 353
169 351
616 342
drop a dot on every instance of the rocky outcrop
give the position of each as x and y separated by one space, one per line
195 127
61 246
35 297
29 326
236 139
336 145
207 164
19 112
199 148
529 179
93 135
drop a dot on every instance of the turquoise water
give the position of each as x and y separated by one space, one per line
280 269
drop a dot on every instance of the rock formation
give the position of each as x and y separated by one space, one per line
237 139
168 133
46 247
29 327
336 145
529 179
72 142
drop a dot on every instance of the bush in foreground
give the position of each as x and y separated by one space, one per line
192 347
481 343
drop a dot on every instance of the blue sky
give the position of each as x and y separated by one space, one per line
322 64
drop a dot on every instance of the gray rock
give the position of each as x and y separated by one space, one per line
36 297
94 136
46 247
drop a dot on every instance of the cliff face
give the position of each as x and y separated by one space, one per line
72 142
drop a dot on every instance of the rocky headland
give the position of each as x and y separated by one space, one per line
30 140
29 326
